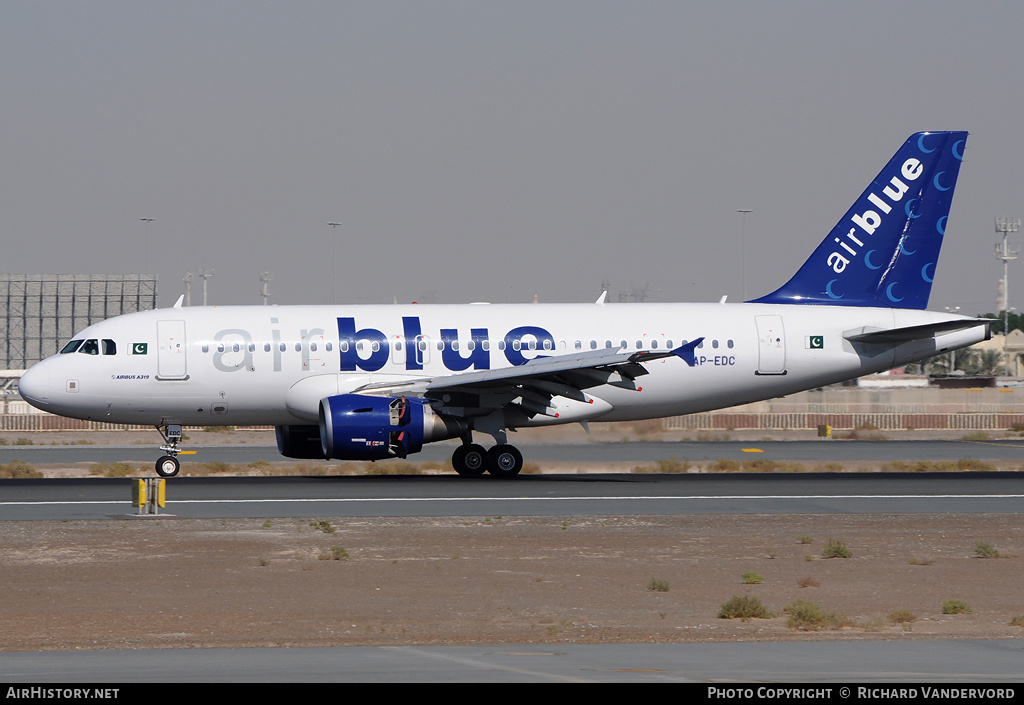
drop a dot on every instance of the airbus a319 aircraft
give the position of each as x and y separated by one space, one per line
377 382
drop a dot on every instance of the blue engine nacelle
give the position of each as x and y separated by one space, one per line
357 427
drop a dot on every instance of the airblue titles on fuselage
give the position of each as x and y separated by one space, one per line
369 349
478 358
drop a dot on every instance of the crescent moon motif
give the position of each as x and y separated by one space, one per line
888 292
958 153
867 260
924 272
940 225
937 184
920 144
904 250
828 290
909 207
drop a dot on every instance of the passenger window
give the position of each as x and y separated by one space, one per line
312 346
593 345
252 347
330 346
206 347
714 344
654 344
109 347
729 342
266 347
70 347
579 344
90 347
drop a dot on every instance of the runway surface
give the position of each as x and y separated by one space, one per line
526 495
923 663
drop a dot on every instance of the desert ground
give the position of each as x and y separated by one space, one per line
325 581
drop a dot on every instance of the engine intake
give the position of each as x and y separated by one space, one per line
300 442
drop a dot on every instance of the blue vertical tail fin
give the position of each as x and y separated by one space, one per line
885 249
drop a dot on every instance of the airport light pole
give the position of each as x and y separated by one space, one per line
205 275
743 212
955 310
265 278
188 288
1005 254
334 264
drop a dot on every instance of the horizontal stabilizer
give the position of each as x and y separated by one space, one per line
903 335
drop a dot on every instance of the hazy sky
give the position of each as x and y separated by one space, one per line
491 151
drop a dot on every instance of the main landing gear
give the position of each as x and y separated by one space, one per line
168 465
472 460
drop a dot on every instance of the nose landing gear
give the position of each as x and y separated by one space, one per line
168 465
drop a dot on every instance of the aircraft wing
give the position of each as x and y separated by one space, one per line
537 381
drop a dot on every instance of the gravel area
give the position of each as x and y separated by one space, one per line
166 583
323 581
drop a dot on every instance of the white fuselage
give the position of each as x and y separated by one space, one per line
243 365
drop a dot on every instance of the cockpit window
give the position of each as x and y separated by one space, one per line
70 347
109 347
90 347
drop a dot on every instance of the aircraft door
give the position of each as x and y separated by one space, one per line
771 345
170 361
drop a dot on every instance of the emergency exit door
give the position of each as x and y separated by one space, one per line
170 361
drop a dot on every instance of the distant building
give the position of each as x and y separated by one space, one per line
1014 346
40 312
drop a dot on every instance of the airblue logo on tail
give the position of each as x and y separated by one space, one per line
885 249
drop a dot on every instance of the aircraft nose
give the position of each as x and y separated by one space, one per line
34 386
